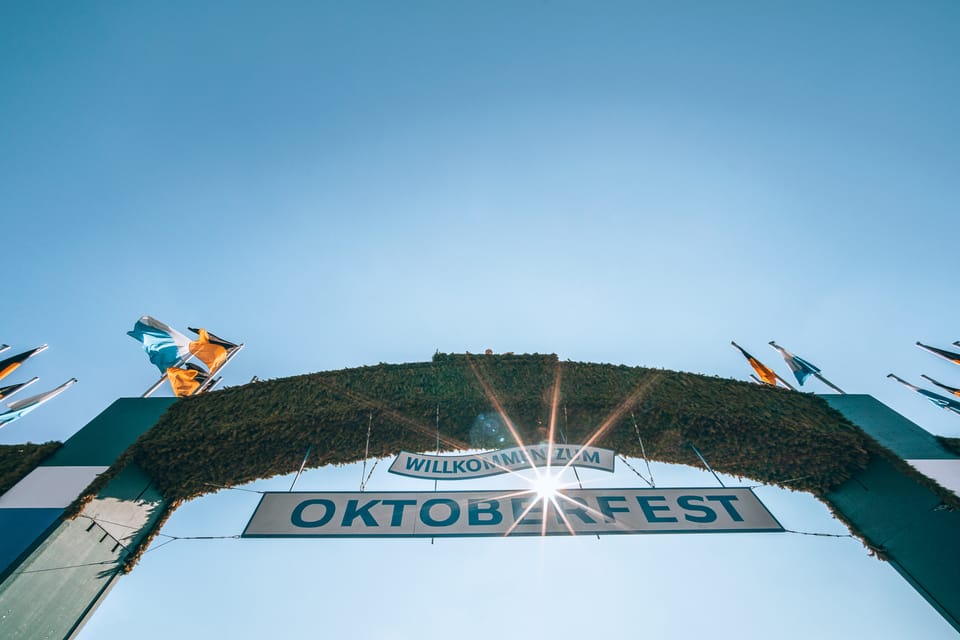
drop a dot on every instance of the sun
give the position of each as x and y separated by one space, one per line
546 486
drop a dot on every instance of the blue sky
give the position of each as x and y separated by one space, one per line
339 184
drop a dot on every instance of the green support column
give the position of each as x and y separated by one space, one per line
899 514
65 569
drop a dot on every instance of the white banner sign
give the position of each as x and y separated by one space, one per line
491 463
502 513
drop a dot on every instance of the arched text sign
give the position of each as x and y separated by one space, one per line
491 463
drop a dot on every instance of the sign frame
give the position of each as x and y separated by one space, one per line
654 513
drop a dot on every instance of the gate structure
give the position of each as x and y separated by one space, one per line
891 482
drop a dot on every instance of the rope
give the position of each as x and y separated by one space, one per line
303 464
366 454
642 451
175 538
563 436
649 482
107 534
172 538
436 481
363 485
706 464
821 535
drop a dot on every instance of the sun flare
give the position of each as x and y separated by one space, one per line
546 486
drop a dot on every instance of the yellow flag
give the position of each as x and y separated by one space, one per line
766 373
11 364
210 353
186 381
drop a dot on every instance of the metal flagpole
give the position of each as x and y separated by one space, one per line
156 385
22 387
830 384
782 381
206 386
790 358
775 375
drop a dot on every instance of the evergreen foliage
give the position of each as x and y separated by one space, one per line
17 460
259 430
263 429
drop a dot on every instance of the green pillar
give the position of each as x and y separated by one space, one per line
899 514
59 570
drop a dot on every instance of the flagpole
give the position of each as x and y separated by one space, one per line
22 387
953 391
941 401
903 382
829 384
784 382
156 385
182 361
38 400
775 375
809 368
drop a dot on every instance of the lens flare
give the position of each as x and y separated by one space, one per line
546 486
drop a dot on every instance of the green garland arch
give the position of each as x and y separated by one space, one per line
263 429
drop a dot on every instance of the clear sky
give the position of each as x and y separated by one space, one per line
339 184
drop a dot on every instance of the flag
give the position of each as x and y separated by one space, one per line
186 380
952 390
6 392
800 367
935 398
9 365
20 408
210 349
165 346
766 373
943 353
226 344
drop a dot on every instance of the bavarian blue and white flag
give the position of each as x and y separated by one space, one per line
165 346
935 398
800 367
20 408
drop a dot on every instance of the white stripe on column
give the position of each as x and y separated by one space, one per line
945 472
49 487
